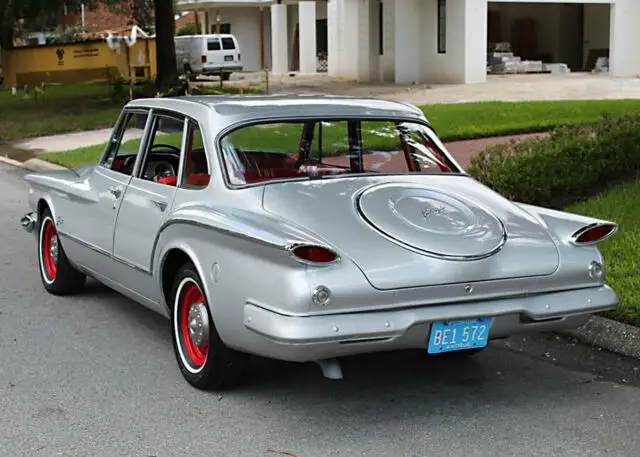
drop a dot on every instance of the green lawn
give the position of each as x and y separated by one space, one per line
64 109
622 251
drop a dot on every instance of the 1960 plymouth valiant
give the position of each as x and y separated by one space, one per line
308 228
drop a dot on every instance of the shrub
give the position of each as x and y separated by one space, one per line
572 163
190 28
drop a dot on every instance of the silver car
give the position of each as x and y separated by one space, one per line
308 228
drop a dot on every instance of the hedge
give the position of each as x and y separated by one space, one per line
570 164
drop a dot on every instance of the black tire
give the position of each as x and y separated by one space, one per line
208 366
225 76
58 276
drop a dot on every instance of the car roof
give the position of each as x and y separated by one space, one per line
230 109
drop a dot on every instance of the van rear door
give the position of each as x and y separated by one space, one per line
214 53
230 51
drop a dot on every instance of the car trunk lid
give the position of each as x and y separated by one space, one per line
421 231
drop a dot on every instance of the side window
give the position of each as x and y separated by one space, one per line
227 43
196 166
162 155
123 149
213 45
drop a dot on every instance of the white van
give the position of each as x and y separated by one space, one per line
215 54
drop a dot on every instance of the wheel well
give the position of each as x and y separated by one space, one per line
42 205
174 260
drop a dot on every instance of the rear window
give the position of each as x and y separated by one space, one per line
213 45
322 149
227 43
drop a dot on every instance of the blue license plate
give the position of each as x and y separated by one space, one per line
459 335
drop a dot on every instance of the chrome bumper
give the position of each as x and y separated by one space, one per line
324 336
29 221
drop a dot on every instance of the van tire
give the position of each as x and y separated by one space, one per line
225 76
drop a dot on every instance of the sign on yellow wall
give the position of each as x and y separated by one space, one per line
78 62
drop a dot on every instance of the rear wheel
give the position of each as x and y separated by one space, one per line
225 76
58 276
204 360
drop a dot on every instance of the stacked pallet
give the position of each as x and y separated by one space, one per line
501 61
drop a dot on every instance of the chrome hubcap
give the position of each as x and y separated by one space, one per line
199 325
53 250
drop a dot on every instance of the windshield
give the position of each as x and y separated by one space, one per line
322 148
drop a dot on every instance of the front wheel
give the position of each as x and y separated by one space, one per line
204 360
58 276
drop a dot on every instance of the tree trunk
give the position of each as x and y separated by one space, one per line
165 46
6 37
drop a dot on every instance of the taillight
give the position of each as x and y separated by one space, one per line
314 254
204 59
239 58
594 233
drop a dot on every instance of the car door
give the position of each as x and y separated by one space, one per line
91 220
146 203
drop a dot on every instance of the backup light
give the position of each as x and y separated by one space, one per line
321 296
596 270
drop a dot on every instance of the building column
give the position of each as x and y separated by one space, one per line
279 42
307 31
476 16
406 39
333 37
624 59
463 25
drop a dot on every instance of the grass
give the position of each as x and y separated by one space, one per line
64 109
622 251
68 108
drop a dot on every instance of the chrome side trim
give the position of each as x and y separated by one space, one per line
103 252
586 228
84 243
229 232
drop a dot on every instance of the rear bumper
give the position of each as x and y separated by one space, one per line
219 68
320 337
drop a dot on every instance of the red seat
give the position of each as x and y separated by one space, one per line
198 179
168 180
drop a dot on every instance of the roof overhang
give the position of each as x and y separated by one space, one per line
199 5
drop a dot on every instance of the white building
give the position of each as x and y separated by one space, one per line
422 41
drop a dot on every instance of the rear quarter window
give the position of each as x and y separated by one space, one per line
227 43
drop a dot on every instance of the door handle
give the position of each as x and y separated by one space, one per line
116 191
160 204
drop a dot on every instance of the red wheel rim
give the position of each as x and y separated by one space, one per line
48 239
197 354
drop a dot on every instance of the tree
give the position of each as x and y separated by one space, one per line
165 46
141 11
16 15
162 11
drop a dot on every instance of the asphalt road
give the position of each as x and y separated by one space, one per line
94 375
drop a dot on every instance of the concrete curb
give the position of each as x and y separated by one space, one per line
608 334
41 165
8 161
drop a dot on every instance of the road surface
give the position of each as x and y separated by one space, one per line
94 375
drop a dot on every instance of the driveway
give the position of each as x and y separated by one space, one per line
573 86
94 375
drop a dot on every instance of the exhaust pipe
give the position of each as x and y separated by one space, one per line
28 222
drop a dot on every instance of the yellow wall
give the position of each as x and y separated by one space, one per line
72 63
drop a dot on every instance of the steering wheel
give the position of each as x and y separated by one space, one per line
167 146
